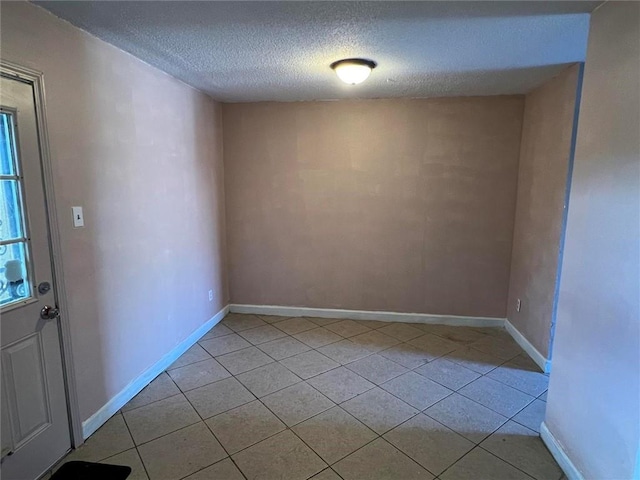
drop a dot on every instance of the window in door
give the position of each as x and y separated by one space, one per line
14 241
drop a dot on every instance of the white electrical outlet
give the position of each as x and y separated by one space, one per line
210 295
518 305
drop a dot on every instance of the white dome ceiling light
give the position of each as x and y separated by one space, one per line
353 70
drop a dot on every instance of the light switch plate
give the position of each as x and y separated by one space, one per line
78 217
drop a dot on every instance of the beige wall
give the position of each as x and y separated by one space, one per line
402 205
593 406
142 153
542 183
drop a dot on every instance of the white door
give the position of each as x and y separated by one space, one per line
35 426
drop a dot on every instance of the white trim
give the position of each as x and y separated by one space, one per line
367 315
120 399
526 345
559 454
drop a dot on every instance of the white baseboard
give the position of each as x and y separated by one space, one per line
367 315
559 454
535 355
120 399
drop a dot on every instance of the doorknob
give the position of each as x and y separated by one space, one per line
49 313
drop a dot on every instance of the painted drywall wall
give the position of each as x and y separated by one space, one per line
545 150
402 205
593 406
142 153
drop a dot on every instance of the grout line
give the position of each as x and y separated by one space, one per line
214 463
180 392
135 445
505 461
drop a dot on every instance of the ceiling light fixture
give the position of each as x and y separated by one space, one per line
353 70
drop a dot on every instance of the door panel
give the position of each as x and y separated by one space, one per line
28 405
35 427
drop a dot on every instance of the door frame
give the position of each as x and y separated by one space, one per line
36 80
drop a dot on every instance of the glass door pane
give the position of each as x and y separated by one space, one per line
10 211
13 285
7 152
14 247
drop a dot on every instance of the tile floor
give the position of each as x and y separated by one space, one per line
263 397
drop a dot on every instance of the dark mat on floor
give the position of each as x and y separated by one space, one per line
91 471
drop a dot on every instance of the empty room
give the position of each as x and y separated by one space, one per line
320 240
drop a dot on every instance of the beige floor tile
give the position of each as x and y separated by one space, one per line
429 443
344 352
323 321
416 390
309 364
219 397
497 396
295 325
181 453
296 403
129 458
161 387
379 410
523 449
375 341
283 456
376 369
461 335
401 331
227 344
523 374
340 384
479 464
334 434
244 360
434 345
198 374
283 348
532 415
466 417
244 426
268 379
495 331
318 337
473 359
380 461
272 318
501 347
263 334
374 324
159 418
407 355
195 354
447 373
218 331
110 439
347 328
223 470
238 322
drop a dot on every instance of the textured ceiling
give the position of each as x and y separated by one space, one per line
272 50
